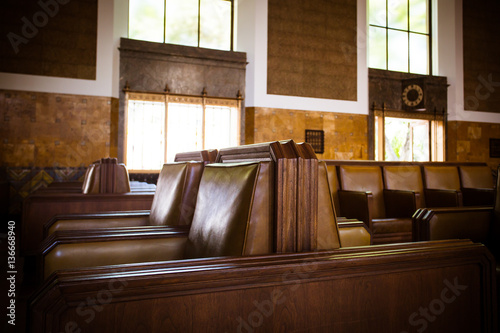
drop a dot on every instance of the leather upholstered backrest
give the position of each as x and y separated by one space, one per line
442 177
176 191
404 177
91 180
106 176
328 233
259 235
333 185
222 216
121 182
364 178
476 176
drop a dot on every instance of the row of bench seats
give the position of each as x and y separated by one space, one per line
480 224
267 213
175 204
92 195
385 195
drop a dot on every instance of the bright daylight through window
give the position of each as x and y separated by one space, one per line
198 23
406 139
159 127
399 35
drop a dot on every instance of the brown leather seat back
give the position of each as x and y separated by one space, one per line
92 180
364 178
327 232
222 221
175 197
405 177
259 236
106 176
121 182
441 177
333 185
476 177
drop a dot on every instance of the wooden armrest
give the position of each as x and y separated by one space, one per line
458 222
357 205
443 198
88 248
401 203
96 220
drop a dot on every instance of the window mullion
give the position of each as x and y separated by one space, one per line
199 21
164 21
429 20
386 35
408 33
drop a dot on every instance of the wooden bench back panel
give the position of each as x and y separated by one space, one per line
374 289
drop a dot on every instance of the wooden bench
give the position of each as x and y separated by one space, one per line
440 286
389 193
42 206
480 224
327 234
362 289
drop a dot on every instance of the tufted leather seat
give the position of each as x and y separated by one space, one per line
362 197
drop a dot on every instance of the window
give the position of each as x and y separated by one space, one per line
191 123
408 139
199 23
399 35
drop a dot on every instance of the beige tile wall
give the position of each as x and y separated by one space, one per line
469 142
46 130
345 134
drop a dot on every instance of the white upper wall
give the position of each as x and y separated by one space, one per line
109 32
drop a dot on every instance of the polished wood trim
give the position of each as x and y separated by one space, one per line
207 156
102 215
39 208
368 289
